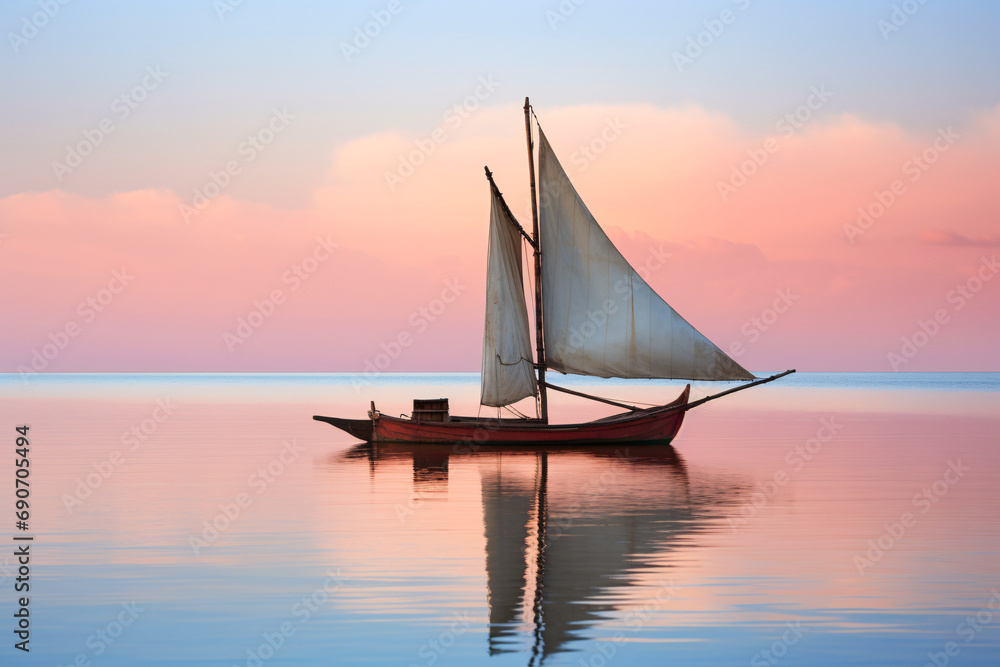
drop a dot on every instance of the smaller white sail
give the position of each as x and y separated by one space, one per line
507 374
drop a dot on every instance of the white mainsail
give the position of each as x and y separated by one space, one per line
599 316
508 374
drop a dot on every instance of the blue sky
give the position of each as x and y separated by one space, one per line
228 73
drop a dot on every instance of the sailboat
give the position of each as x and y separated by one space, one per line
594 315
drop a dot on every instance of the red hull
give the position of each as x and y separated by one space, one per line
655 425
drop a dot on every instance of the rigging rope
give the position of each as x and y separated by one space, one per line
513 363
517 412
624 400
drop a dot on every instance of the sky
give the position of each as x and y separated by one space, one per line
204 185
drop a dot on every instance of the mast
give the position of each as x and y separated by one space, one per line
543 403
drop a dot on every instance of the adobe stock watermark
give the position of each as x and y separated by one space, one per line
958 297
33 24
924 500
364 34
258 482
88 310
8 569
796 458
914 168
759 324
452 119
787 126
605 650
139 433
594 489
562 12
584 155
704 39
302 611
900 16
121 108
413 503
967 629
105 637
248 150
655 259
779 648
420 320
264 308
432 650
224 7
596 319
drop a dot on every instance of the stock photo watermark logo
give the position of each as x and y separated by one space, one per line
759 324
958 297
779 649
895 531
655 260
968 629
562 12
413 503
914 168
597 318
8 569
605 650
88 309
583 156
104 638
223 7
31 25
452 119
121 107
264 309
900 16
363 35
420 320
139 433
796 458
258 481
787 126
704 39
302 610
248 149
595 488
432 650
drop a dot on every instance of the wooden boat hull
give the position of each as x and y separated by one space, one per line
656 425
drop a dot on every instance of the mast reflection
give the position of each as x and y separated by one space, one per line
567 529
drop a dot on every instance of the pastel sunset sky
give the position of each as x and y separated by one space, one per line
218 185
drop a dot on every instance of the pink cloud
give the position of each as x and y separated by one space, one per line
651 177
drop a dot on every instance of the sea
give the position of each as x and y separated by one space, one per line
203 519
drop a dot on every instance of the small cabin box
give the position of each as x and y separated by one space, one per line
430 410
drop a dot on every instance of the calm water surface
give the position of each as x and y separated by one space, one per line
826 519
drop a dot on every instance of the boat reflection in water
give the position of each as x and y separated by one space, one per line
569 530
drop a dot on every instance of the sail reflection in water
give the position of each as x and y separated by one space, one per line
564 536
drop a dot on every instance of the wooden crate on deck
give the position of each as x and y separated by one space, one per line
430 410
